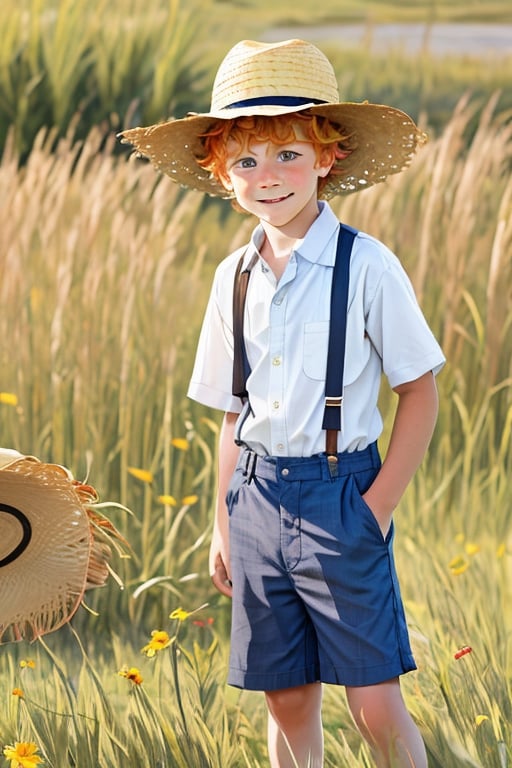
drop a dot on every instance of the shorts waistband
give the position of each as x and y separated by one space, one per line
292 468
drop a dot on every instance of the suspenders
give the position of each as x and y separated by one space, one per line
337 336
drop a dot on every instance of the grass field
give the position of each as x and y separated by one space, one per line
105 273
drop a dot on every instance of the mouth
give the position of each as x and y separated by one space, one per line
274 200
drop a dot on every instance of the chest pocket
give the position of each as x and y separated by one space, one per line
315 346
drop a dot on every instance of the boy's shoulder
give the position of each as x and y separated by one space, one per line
226 269
370 253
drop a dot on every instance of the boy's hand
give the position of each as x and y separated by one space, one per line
220 576
382 516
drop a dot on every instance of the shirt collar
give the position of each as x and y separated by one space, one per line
319 244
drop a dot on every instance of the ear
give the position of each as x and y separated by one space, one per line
325 162
226 182
324 170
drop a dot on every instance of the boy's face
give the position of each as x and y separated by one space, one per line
275 182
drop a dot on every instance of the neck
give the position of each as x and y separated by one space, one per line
276 251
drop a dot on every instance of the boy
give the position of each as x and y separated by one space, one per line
303 531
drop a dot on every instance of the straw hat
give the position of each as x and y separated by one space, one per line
276 79
50 551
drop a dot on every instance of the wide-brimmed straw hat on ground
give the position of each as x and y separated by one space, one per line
53 545
276 79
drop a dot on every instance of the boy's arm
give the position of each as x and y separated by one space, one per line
219 550
412 431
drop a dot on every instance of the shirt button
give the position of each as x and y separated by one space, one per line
276 360
278 302
275 405
285 472
280 447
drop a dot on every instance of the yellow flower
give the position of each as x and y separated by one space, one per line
500 552
131 673
479 719
18 692
22 755
167 499
141 474
459 538
159 640
179 614
458 565
27 664
8 398
189 500
181 443
471 548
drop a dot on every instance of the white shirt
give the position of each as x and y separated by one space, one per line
286 327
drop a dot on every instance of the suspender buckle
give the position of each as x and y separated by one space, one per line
332 463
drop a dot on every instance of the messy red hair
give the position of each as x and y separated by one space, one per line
326 137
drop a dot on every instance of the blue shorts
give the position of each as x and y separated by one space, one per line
315 591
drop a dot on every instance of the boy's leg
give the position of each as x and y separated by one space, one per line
381 716
295 738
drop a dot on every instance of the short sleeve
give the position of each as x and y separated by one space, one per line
211 381
398 328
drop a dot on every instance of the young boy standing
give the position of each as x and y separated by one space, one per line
303 531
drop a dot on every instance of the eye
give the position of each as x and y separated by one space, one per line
246 162
288 154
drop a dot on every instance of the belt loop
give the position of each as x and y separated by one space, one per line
250 466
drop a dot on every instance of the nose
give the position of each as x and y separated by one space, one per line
268 175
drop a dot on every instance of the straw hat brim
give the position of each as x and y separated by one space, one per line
49 553
383 141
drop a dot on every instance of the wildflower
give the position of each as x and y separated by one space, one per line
479 719
167 499
181 443
458 565
500 552
141 474
200 623
18 692
8 398
462 652
471 548
27 664
179 614
22 755
131 673
159 641
189 500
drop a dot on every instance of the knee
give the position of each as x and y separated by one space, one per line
301 703
378 711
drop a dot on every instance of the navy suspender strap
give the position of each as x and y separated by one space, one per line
337 336
337 341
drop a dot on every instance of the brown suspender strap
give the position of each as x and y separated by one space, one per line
241 368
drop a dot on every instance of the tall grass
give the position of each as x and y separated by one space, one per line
127 62
105 274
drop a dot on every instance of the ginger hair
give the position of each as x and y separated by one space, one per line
325 136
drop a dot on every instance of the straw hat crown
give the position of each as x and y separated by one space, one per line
253 70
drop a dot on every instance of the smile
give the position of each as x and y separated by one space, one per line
271 201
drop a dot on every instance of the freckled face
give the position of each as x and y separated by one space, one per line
275 182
